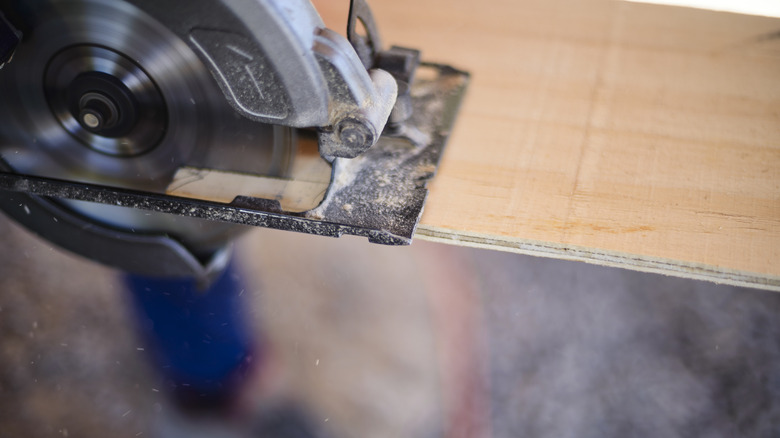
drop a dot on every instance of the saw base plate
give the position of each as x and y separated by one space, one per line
379 195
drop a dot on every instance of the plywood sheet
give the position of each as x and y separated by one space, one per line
617 133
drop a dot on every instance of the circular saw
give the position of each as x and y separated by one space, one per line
147 134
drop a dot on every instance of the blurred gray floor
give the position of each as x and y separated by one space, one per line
424 341
583 351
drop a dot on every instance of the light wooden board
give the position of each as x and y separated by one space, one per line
617 133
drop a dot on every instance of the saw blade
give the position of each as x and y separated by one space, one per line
99 92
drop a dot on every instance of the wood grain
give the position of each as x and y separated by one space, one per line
624 134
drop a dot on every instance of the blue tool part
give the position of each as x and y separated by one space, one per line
200 339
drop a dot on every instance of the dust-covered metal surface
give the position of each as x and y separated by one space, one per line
379 195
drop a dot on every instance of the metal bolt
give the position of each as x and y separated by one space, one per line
355 134
98 111
90 119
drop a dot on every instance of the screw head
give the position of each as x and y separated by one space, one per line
355 134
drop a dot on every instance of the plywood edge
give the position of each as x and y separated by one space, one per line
599 257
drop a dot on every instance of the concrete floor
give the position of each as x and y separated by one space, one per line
423 341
